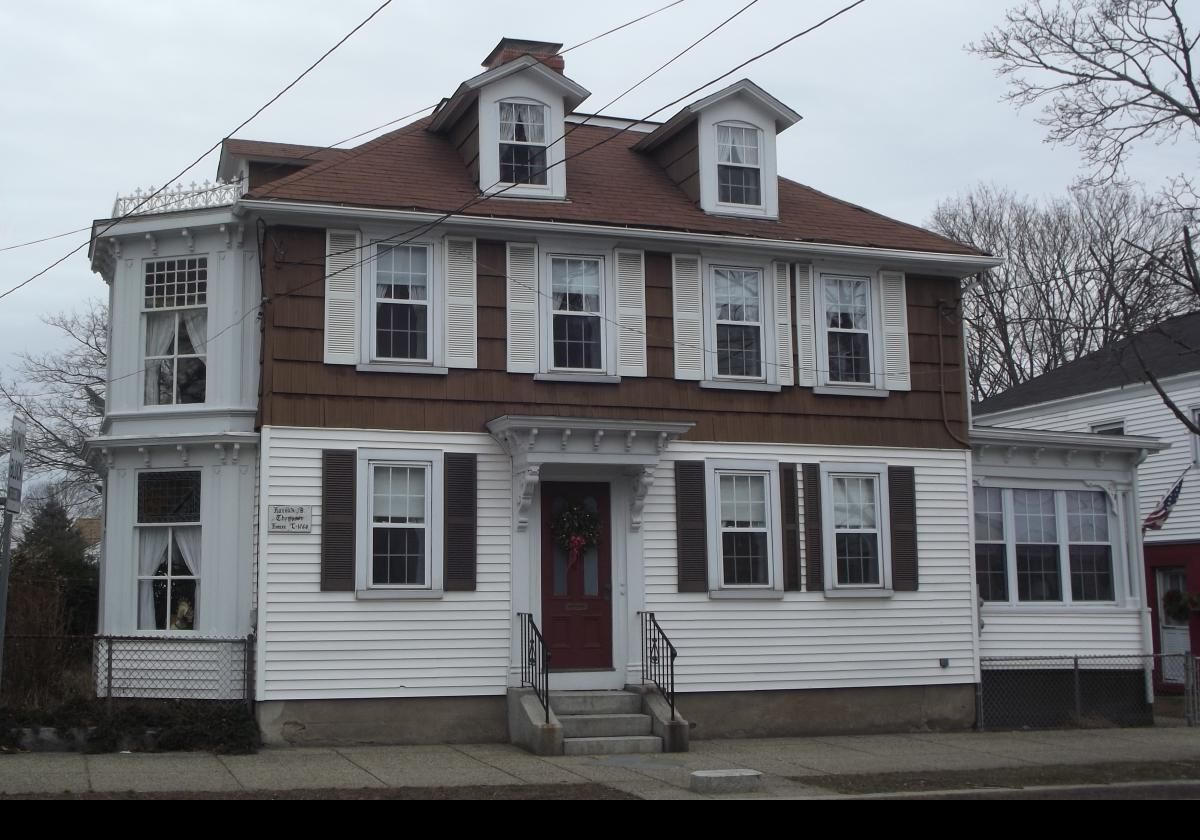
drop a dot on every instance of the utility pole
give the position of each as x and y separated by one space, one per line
12 505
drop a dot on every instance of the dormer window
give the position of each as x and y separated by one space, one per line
523 143
739 167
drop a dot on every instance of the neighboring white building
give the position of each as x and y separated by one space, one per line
1106 393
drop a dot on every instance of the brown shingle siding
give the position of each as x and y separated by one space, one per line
302 391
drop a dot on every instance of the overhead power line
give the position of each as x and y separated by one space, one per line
424 228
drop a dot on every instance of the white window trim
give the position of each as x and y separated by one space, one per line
1194 412
550 250
875 385
528 89
1116 550
708 298
138 577
713 469
143 331
551 137
435 361
731 206
433 461
828 535
740 112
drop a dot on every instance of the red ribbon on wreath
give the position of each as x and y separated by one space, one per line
578 543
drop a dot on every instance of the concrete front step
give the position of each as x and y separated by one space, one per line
612 746
595 702
604 726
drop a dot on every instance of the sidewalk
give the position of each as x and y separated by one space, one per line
792 767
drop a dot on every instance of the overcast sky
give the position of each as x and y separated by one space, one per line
103 96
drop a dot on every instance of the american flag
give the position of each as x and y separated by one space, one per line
1158 516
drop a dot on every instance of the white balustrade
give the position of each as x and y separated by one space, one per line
172 199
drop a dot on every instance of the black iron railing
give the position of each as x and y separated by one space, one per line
658 658
535 661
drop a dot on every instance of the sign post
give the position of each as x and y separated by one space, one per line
12 505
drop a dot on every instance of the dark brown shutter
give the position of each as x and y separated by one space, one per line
790 520
460 514
338 486
814 549
902 498
691 526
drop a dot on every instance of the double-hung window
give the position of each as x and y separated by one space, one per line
991 551
400 539
857 541
1089 546
523 143
744 541
577 301
1043 539
738 313
169 561
739 165
847 317
856 529
401 306
175 303
745 535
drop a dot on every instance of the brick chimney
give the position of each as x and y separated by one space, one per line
510 49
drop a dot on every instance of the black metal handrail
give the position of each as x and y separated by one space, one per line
535 661
658 658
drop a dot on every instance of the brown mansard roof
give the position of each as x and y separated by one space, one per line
413 169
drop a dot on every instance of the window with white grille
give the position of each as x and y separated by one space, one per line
176 331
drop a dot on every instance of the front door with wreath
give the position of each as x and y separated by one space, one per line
577 575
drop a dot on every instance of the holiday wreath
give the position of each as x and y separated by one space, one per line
575 530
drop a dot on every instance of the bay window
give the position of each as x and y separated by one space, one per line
176 331
1041 538
169 557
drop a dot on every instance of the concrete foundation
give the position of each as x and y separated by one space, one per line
770 714
409 720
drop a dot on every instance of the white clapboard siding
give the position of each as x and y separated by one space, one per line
461 309
522 307
1061 632
687 301
806 327
1143 413
631 313
783 324
805 640
320 645
896 376
343 258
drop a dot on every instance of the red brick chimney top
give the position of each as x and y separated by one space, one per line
510 49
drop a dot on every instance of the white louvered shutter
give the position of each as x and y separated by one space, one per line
461 318
343 258
806 327
689 317
522 307
896 375
783 324
631 313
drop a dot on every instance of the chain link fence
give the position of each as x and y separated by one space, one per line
47 672
1051 692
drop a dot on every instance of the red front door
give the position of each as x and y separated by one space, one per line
577 591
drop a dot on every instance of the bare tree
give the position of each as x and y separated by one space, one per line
1076 277
61 396
1109 74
